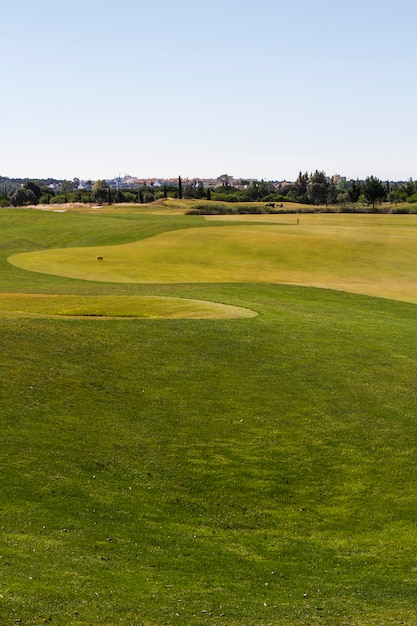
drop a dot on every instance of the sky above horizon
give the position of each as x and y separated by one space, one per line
251 88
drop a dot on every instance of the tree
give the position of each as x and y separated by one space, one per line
100 191
253 191
318 188
23 197
31 186
409 187
179 188
354 191
300 187
395 195
200 190
374 190
188 191
342 198
66 185
263 190
332 193
4 197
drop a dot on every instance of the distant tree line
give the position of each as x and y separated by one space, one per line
315 189
18 192
318 189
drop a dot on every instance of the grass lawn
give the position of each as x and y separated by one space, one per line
256 470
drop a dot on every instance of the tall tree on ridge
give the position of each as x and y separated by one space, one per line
374 190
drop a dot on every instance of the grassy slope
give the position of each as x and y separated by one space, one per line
161 472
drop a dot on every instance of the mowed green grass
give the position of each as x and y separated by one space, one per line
118 306
374 255
181 471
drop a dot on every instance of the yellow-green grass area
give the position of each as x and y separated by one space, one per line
365 254
152 307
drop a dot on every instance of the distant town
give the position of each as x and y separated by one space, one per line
132 182
127 181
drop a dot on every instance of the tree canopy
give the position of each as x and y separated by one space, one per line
374 190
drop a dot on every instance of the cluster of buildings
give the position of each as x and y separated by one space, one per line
128 181
133 182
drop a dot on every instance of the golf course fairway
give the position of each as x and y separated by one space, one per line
375 257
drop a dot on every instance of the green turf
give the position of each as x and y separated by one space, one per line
373 255
224 472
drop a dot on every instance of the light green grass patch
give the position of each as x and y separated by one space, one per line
155 307
373 255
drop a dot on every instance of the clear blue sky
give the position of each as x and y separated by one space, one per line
252 88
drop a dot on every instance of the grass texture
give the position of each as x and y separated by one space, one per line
197 471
